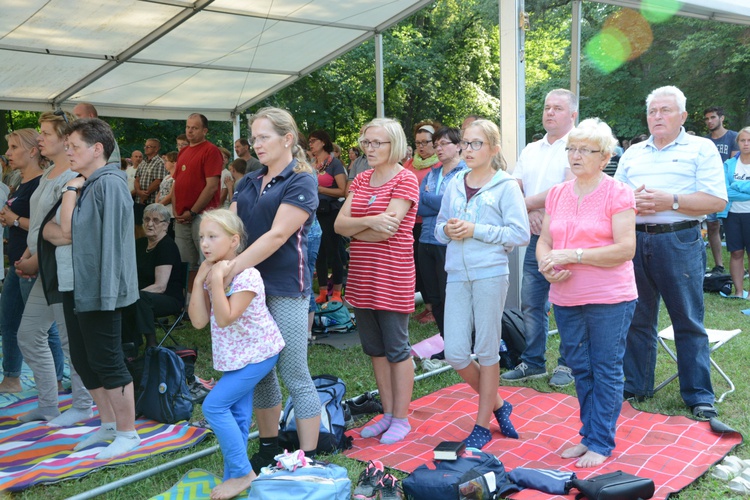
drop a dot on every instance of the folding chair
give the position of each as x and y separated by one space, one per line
164 321
716 339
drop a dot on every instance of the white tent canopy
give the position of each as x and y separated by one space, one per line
166 58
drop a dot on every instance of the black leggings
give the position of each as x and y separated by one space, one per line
329 251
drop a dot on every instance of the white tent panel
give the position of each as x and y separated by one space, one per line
246 43
727 11
42 76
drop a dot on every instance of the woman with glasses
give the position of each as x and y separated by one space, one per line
424 159
431 252
482 218
585 251
331 187
160 278
378 215
44 305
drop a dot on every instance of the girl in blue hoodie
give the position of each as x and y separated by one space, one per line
482 218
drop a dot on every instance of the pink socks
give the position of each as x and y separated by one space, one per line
393 429
378 427
397 431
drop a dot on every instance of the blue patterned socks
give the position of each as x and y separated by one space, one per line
479 437
502 415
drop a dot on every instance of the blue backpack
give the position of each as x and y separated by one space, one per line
319 481
332 438
333 317
165 396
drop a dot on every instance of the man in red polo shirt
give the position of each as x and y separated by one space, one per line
196 187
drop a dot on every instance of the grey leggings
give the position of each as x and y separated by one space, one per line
290 314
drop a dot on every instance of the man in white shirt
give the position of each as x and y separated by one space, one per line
541 165
678 178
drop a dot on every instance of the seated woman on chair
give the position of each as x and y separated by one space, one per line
160 278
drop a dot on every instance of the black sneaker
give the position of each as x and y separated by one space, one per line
717 270
391 489
704 412
363 404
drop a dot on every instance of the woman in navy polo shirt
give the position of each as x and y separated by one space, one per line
276 204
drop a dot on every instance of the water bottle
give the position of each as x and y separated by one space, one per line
503 347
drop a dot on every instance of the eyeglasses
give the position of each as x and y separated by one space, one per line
442 144
475 145
419 144
582 151
259 140
149 220
375 144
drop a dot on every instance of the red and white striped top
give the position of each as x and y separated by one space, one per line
381 274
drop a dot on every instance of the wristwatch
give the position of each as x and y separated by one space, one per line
193 214
675 203
579 254
65 189
16 223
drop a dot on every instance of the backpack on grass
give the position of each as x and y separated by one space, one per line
165 396
715 283
332 438
319 481
514 335
472 475
333 317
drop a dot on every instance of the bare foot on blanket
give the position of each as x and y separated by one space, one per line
232 487
590 459
10 385
574 451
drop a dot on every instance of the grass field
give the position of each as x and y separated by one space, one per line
354 368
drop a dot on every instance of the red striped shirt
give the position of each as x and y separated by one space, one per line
381 274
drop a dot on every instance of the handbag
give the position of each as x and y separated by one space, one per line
614 486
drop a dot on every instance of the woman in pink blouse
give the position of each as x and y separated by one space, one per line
585 251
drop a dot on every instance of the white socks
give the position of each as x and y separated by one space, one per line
106 432
71 416
123 443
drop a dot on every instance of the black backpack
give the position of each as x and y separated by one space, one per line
514 336
165 396
715 283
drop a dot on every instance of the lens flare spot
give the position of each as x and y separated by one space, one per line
633 26
658 11
608 50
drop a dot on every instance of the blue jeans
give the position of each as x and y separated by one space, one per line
592 340
670 266
228 408
313 244
535 309
16 292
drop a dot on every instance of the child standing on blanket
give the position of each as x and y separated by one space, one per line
245 340
482 217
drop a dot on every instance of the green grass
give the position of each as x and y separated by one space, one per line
354 368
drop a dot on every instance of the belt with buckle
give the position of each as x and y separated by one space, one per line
666 228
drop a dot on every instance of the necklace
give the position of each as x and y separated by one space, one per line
322 166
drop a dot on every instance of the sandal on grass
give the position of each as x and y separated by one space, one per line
726 472
740 485
744 295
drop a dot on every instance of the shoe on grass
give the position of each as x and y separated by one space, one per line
523 372
364 404
561 376
370 481
391 489
704 412
717 270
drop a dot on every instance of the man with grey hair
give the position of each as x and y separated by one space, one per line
678 178
541 165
